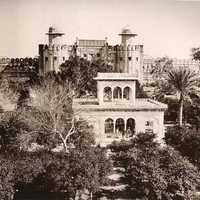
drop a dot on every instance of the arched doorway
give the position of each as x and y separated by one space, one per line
107 94
119 127
117 93
126 93
109 126
130 127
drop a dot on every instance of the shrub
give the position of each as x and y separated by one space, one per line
158 172
122 145
186 141
6 179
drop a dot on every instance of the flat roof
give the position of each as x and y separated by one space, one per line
141 104
116 76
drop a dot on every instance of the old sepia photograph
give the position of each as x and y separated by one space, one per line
100 100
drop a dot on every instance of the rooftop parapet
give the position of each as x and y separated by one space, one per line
91 43
116 76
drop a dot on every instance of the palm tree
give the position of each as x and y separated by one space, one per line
184 82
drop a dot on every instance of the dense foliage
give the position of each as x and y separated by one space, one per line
43 171
48 121
186 141
80 73
158 172
184 82
6 179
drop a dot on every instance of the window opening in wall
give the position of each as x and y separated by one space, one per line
149 123
107 94
109 127
129 58
149 127
98 55
117 93
130 127
119 128
126 93
137 59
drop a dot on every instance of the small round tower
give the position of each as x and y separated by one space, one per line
127 37
127 50
54 36
54 49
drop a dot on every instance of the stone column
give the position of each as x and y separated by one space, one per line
114 121
125 124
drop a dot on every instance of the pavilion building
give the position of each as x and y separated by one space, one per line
116 112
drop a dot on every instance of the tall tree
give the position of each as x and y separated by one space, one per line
184 82
50 115
80 72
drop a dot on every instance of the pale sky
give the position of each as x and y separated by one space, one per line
165 27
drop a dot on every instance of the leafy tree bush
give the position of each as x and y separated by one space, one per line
6 179
50 114
46 171
118 146
186 141
11 126
28 166
78 170
157 172
80 72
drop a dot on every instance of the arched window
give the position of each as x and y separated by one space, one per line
117 93
126 93
107 94
109 127
130 127
119 127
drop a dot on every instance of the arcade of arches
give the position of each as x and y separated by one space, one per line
110 94
120 127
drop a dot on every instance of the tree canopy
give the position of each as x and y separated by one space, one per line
184 82
80 72
157 172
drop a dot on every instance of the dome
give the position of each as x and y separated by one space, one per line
53 31
127 31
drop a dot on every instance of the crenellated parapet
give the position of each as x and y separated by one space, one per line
127 59
20 69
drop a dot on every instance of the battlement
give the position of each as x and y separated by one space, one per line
55 47
128 48
4 60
